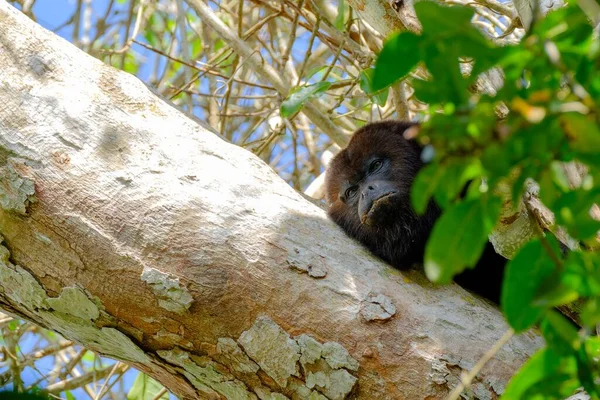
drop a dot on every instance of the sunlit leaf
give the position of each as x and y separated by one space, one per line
366 85
299 96
545 366
560 334
590 312
399 56
340 19
584 136
459 237
572 210
146 388
524 274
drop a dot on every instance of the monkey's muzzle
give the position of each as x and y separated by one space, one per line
378 209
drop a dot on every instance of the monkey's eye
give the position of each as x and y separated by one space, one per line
375 166
350 192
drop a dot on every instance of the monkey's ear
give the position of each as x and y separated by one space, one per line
411 132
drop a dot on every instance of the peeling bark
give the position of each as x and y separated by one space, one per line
128 227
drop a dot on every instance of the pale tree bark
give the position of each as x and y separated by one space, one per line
387 16
131 229
526 9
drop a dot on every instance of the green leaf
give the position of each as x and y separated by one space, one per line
535 142
380 98
584 136
457 172
399 56
522 278
366 80
424 185
496 160
544 366
560 334
559 176
314 71
559 387
590 312
579 277
366 85
459 237
152 38
340 20
131 64
447 83
196 44
554 291
550 182
299 96
448 34
589 355
445 181
568 25
447 21
588 372
146 388
572 210
582 272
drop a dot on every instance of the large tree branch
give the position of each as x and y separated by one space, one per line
130 228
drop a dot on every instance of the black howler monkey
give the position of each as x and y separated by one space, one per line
368 193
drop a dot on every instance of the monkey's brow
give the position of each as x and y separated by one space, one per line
359 173
353 180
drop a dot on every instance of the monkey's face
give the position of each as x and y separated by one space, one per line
368 183
370 192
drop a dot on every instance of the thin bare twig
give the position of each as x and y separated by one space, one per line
466 379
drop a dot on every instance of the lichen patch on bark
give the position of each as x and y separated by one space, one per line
17 191
322 366
377 307
19 285
272 349
71 313
171 295
74 301
204 373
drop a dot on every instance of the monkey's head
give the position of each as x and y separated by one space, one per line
368 191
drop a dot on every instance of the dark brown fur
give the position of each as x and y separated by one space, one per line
395 233
401 241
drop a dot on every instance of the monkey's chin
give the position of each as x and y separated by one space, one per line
379 210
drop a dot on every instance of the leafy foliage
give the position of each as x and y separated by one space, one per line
551 91
146 388
299 96
463 228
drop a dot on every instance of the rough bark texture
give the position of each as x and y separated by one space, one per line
130 228
387 16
